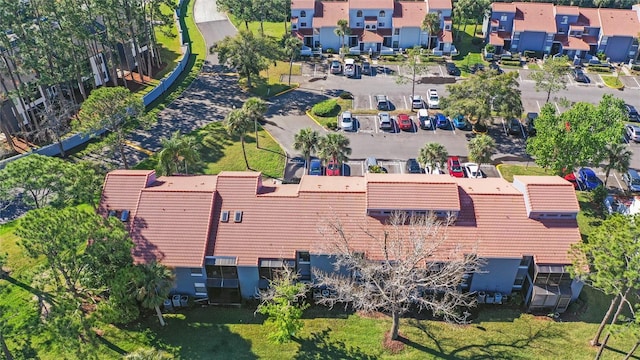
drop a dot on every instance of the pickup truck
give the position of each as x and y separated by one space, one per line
349 68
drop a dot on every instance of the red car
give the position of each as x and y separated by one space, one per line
404 122
453 165
333 168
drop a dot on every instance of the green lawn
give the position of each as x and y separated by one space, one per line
532 66
612 81
167 37
275 30
469 53
343 105
275 80
508 171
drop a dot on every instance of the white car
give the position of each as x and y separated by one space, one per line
433 100
472 170
416 102
433 170
633 132
346 121
350 67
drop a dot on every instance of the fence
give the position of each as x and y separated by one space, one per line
164 85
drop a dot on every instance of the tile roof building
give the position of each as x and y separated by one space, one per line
579 33
377 26
223 233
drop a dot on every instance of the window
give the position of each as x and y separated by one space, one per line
303 266
380 25
294 26
200 288
565 20
224 272
381 14
358 24
359 13
225 216
604 40
303 24
303 13
367 26
503 18
196 271
238 217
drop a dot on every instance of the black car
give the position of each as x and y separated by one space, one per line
530 121
476 67
514 127
494 66
413 167
632 113
579 76
452 69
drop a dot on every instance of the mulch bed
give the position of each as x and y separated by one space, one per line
393 346
371 314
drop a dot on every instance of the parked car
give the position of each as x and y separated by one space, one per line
530 121
413 167
371 164
514 127
571 177
632 179
385 121
495 67
333 168
632 113
350 67
476 67
433 100
366 68
461 123
382 103
336 67
454 168
416 102
315 167
405 123
588 179
426 122
472 170
346 121
579 76
452 69
442 122
633 132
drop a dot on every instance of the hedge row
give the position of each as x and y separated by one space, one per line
511 62
326 108
599 69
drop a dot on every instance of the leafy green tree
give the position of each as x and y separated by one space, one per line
237 123
307 141
178 151
414 67
431 24
433 154
342 30
334 146
255 109
481 148
618 157
243 10
148 354
578 136
482 95
610 262
283 305
246 53
154 287
292 46
115 109
553 76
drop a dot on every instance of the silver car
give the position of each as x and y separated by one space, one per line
385 121
633 132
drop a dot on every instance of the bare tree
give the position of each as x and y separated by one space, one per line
405 266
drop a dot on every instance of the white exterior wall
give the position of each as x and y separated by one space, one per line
328 39
307 19
410 36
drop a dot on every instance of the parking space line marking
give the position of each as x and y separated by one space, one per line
636 80
539 108
519 76
314 70
504 127
618 181
441 72
405 102
557 107
370 102
398 66
571 80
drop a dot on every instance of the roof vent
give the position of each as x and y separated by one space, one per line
238 217
125 216
225 216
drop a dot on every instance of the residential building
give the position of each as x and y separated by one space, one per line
225 235
377 26
567 30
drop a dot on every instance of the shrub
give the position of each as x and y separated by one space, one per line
326 108
490 49
330 51
511 62
599 194
332 125
601 56
635 67
346 95
599 69
476 41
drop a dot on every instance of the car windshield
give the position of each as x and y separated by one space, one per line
456 168
423 118
591 178
635 181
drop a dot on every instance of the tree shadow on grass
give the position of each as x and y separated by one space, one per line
319 346
212 150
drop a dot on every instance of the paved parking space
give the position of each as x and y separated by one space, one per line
312 69
630 82
367 124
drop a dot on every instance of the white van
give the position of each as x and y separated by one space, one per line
350 67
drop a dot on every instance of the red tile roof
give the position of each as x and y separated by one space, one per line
327 13
371 4
619 22
504 7
537 17
498 38
589 17
412 192
439 4
121 189
302 4
445 36
173 218
571 42
171 223
548 195
371 37
567 10
409 14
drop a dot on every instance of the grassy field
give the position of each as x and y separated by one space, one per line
275 30
612 82
275 79
167 37
508 171
469 53
532 66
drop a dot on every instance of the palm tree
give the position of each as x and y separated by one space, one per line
306 140
431 24
432 154
334 146
342 30
254 109
481 148
154 286
292 46
177 150
237 123
618 158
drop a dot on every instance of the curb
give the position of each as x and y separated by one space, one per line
611 87
293 87
138 147
284 154
498 170
308 112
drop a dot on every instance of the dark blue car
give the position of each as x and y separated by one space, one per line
442 122
588 179
315 167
